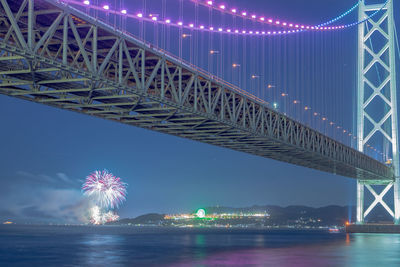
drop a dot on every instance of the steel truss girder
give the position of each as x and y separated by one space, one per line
385 27
102 72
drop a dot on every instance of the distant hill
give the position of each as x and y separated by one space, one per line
291 215
329 215
151 218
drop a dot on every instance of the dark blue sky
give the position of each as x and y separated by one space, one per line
164 173
47 152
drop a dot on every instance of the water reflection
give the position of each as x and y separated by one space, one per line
130 246
102 248
374 250
200 240
352 250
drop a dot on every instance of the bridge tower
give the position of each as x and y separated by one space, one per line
377 106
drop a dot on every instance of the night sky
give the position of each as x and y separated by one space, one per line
46 154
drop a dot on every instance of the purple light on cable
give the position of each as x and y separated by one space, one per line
235 11
107 7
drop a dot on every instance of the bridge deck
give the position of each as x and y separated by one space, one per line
58 56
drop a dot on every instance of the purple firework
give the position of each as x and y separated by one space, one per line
105 188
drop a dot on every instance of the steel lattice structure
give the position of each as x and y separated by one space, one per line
374 55
58 56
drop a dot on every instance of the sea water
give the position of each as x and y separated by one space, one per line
22 245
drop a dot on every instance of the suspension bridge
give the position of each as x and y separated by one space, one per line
63 54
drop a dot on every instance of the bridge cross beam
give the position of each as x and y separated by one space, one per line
386 133
379 199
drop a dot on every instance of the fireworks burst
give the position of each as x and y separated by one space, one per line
107 190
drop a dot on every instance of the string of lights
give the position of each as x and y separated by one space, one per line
293 28
296 28
367 18
189 26
344 14
265 19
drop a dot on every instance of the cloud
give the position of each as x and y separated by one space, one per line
33 211
34 177
44 198
60 180
64 178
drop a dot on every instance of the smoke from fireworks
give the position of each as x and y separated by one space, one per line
99 217
107 192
